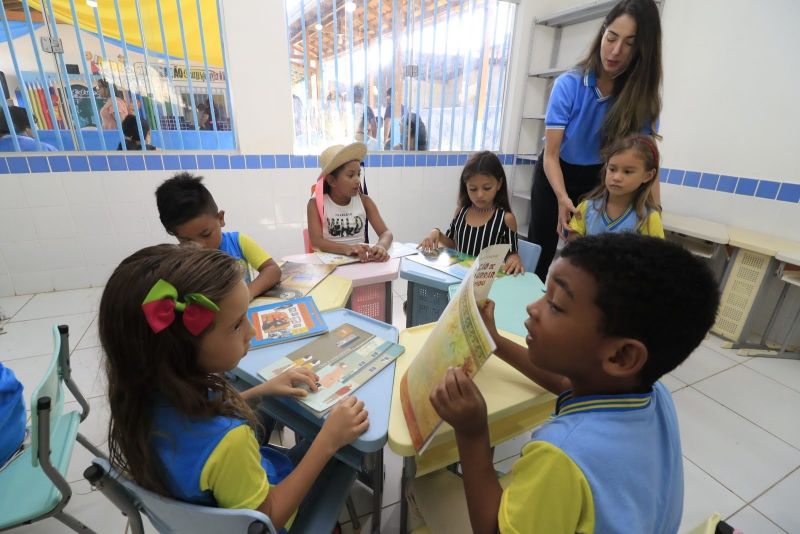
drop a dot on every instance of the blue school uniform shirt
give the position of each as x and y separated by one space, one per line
26 144
577 107
245 250
213 461
602 464
12 414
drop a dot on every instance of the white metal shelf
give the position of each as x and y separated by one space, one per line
520 194
576 15
548 73
533 117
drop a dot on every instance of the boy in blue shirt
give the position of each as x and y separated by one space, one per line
188 211
620 311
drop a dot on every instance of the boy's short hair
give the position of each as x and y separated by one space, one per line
650 290
183 198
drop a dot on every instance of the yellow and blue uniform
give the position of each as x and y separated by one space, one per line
242 247
214 461
594 220
604 464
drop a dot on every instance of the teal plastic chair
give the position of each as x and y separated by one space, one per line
32 485
170 515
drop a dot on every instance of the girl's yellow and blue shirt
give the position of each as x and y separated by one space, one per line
592 219
214 461
602 464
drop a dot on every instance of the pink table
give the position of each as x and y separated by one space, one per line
372 284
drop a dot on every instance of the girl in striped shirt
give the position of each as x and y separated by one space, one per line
483 216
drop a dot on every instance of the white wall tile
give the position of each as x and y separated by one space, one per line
91 220
125 187
44 190
53 222
6 285
32 282
99 250
85 189
129 218
23 257
70 279
11 193
16 225
99 274
61 254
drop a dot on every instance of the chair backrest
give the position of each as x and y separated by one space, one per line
52 387
307 241
529 254
169 515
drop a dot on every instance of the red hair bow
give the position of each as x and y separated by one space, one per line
161 302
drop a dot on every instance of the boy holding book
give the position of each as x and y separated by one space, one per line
620 311
188 211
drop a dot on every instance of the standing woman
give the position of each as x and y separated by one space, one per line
615 90
107 111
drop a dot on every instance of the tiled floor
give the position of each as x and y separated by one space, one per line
738 418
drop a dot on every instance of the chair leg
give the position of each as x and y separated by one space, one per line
90 446
351 511
73 523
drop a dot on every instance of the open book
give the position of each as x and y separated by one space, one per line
297 279
280 322
447 260
344 359
459 339
397 250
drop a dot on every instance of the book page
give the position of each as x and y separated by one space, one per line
459 339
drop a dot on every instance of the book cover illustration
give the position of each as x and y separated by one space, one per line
447 260
297 279
285 321
459 339
344 359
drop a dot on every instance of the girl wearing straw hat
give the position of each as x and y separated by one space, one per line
339 212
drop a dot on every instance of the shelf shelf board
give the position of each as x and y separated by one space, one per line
519 194
549 73
576 15
527 157
533 117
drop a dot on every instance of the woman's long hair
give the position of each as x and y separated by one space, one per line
143 367
643 202
637 91
489 164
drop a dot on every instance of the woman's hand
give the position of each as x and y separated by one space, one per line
346 422
378 253
431 242
289 382
513 264
565 211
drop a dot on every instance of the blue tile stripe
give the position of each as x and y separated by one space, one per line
19 164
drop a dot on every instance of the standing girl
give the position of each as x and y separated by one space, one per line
339 212
624 201
483 216
172 319
107 116
613 92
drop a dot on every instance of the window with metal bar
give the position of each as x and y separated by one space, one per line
399 74
113 75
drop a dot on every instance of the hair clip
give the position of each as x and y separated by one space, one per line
161 302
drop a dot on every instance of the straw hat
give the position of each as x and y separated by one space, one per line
335 156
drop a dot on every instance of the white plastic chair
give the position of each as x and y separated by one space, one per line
32 485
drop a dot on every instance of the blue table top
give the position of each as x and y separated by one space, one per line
376 394
511 295
422 274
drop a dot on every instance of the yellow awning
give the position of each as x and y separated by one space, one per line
150 25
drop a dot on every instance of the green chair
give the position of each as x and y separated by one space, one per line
32 485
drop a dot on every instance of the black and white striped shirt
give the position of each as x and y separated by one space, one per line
472 239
